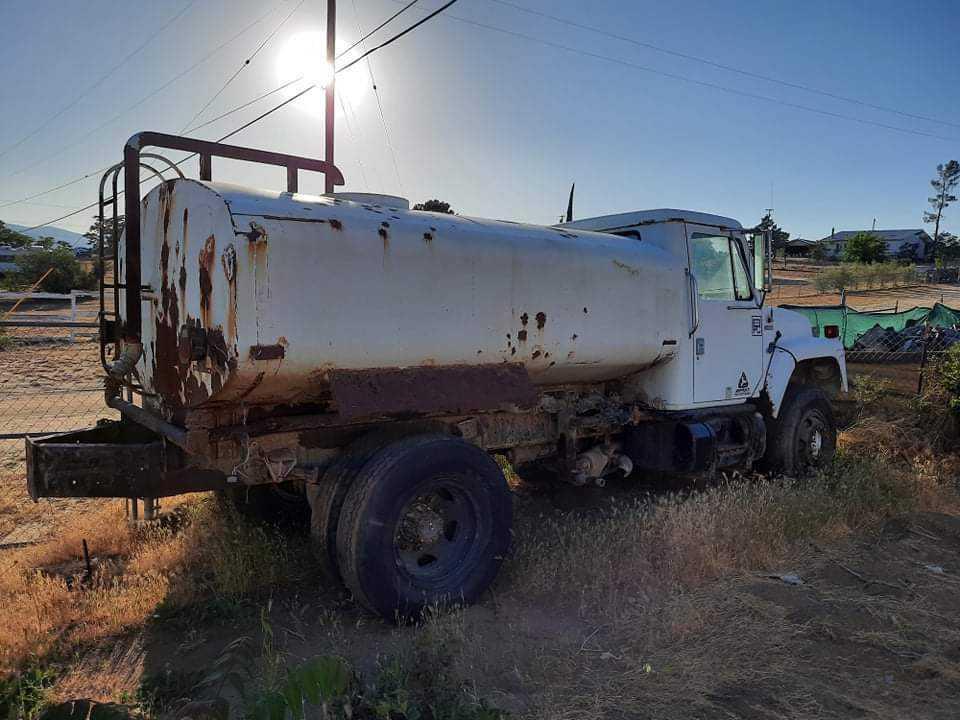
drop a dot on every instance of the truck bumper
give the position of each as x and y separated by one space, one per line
114 459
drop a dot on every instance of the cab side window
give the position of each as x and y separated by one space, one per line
718 265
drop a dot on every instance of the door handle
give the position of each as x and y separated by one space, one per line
694 290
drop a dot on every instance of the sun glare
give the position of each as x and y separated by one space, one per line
303 58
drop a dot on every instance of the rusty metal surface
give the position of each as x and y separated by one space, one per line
267 352
118 459
425 390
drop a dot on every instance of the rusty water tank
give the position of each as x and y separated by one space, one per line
256 296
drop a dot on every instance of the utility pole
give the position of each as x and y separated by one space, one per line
328 106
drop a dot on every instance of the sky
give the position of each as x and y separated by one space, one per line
497 111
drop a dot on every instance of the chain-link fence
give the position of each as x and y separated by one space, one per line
50 374
917 343
918 336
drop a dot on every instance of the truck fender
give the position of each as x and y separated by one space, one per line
812 361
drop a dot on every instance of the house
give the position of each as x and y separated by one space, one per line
896 241
799 247
8 258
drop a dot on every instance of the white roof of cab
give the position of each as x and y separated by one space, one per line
646 217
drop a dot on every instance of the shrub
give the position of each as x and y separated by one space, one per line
66 273
864 247
948 376
863 275
837 278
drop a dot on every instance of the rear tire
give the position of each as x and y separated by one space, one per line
325 497
426 522
803 440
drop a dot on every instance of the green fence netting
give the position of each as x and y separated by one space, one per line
854 324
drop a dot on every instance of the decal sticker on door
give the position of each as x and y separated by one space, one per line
743 385
756 325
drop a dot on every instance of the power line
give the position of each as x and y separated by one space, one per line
99 81
378 27
247 104
243 66
376 94
275 108
207 123
396 37
68 183
693 81
346 120
722 66
142 100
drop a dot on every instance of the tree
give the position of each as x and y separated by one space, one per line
9 236
779 236
907 253
66 275
818 252
109 241
943 184
438 206
864 247
946 247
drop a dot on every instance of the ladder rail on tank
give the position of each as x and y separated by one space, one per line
112 331
108 318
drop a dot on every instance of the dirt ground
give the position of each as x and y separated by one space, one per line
902 298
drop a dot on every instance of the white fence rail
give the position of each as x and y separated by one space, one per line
32 319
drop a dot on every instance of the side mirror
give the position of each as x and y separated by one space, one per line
762 262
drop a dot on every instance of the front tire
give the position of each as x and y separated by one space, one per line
803 440
426 522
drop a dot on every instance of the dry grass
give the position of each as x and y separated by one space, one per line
639 553
204 552
618 612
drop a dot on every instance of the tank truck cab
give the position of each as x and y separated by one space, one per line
738 352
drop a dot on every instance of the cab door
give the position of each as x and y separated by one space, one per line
728 332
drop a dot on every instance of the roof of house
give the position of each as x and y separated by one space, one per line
888 235
14 250
800 242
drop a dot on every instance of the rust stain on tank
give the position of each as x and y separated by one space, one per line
541 320
166 205
258 265
423 390
181 246
336 224
522 336
384 235
205 262
217 348
524 319
229 262
428 237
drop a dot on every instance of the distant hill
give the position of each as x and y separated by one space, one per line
75 239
